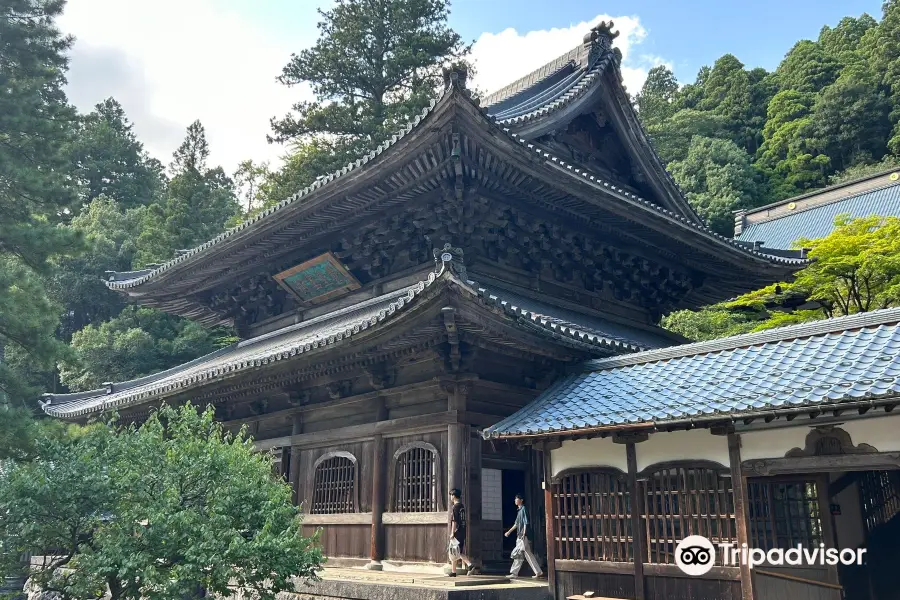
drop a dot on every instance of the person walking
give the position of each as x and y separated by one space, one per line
458 534
522 551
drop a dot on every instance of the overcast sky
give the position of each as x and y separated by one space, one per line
169 62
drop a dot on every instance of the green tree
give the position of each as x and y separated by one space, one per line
176 508
856 268
850 120
110 161
672 137
865 169
199 202
740 96
786 156
77 283
656 100
35 124
717 178
138 342
249 178
376 64
807 68
880 49
843 41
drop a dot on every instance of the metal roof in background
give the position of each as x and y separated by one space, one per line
818 221
825 362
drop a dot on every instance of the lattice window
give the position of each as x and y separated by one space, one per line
334 484
592 513
416 479
880 497
783 513
686 500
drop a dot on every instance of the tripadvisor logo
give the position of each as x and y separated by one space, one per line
696 555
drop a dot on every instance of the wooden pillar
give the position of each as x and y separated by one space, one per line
637 511
473 508
457 446
739 485
378 493
296 429
550 519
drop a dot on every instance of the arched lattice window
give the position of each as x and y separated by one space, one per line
335 484
592 510
417 479
686 499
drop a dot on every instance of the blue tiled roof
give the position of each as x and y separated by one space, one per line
826 362
818 221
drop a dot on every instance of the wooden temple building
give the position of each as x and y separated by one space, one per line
395 309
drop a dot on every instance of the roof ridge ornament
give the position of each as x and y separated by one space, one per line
452 259
598 41
456 75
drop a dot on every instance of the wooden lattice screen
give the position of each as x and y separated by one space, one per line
334 486
415 486
782 514
879 493
682 501
592 513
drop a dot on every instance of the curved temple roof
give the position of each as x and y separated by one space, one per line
595 335
564 81
822 363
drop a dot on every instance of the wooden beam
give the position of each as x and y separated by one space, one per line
338 519
429 518
391 427
871 461
550 517
376 552
637 510
739 487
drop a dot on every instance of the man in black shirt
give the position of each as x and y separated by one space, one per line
458 532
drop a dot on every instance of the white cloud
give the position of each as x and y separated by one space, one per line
501 58
170 62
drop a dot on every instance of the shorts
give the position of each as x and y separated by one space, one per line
462 543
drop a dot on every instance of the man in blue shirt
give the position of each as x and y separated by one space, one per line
523 546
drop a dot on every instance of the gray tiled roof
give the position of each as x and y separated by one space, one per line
818 221
586 332
826 362
278 345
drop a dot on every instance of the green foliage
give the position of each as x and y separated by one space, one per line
138 342
177 508
656 100
374 67
866 169
718 179
199 201
807 68
855 269
35 121
110 161
850 120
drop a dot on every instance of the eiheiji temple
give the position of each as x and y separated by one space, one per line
475 305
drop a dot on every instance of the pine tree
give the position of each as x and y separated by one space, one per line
35 123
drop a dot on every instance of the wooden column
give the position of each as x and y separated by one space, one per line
378 493
549 516
296 429
739 485
457 446
473 479
637 511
